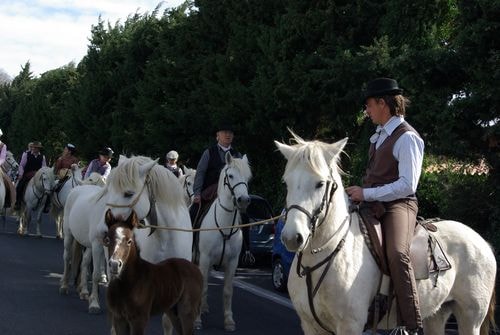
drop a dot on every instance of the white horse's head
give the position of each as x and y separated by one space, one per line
187 182
233 181
313 182
95 178
138 181
45 179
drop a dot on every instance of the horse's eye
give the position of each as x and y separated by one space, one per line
105 241
128 194
129 242
230 176
320 184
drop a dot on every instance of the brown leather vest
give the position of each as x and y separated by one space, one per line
382 166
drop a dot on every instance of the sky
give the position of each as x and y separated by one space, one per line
52 33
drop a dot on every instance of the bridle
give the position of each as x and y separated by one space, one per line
34 188
331 187
313 216
226 237
232 188
186 187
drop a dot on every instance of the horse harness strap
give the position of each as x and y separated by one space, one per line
307 271
225 237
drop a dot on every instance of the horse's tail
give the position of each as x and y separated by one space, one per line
489 321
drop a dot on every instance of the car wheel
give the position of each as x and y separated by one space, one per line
278 276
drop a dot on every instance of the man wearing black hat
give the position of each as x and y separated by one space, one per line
209 167
391 178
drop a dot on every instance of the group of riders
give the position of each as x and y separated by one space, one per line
205 184
33 160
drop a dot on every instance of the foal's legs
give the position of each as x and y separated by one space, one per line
167 324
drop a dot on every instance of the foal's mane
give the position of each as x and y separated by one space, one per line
162 184
316 155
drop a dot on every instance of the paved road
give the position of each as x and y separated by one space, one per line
30 303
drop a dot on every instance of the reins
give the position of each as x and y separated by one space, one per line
136 200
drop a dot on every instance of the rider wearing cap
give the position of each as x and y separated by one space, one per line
171 163
101 165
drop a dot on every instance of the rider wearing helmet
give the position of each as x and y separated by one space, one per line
101 165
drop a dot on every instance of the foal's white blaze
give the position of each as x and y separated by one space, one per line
115 263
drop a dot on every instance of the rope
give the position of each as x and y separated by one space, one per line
141 225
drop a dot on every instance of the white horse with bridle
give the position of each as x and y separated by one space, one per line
139 184
334 277
37 190
221 248
61 193
187 182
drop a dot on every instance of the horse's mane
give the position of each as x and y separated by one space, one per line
315 154
243 166
48 170
163 185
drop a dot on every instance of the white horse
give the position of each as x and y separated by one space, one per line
84 209
61 193
222 247
187 182
320 228
37 190
10 166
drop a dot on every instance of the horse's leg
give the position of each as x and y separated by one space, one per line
120 326
38 222
84 269
68 244
166 322
174 322
230 270
469 318
97 258
205 271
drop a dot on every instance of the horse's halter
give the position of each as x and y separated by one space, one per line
190 195
136 199
231 188
331 187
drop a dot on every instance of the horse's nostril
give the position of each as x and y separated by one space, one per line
300 239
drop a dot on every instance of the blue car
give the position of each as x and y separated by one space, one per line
281 258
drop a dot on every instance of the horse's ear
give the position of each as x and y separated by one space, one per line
132 220
285 150
338 146
245 158
144 169
108 218
229 157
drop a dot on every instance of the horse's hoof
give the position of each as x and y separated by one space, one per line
84 296
63 290
230 328
94 310
103 279
198 325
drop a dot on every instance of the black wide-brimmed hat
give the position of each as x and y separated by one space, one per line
107 151
380 87
225 126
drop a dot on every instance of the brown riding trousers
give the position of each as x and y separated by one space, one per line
398 222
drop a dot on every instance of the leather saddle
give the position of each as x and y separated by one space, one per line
426 253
